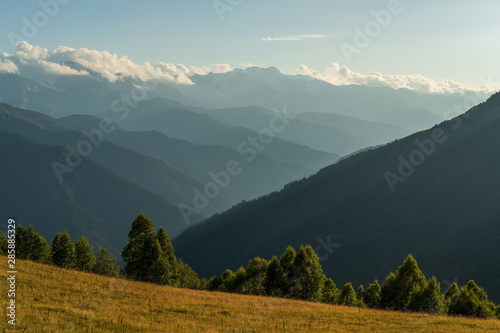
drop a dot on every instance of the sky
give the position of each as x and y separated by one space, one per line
443 40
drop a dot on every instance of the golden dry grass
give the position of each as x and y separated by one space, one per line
58 300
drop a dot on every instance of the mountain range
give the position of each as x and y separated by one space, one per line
432 194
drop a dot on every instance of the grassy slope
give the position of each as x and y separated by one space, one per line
58 300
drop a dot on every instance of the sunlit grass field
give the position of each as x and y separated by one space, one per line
51 299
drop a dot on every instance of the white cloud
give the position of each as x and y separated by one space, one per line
342 75
300 37
7 66
43 65
222 68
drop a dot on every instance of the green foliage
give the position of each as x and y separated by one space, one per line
133 253
452 293
227 281
309 274
63 250
168 259
41 251
330 292
372 295
398 290
360 294
429 299
105 264
84 255
472 301
255 277
348 295
272 280
187 277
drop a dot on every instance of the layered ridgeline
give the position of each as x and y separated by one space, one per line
90 200
432 194
381 114
176 169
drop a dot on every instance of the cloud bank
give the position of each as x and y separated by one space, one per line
300 37
342 75
42 65
45 66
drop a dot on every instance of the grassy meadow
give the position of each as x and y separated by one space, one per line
51 299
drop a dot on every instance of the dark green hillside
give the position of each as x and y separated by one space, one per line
91 200
446 213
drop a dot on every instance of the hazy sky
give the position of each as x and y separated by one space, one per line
457 40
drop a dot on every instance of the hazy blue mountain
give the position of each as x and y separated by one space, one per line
152 174
270 88
91 200
443 210
258 177
315 135
375 133
201 128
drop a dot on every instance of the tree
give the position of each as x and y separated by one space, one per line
63 250
227 281
272 280
429 299
133 253
24 242
372 295
348 295
41 251
306 276
105 264
84 255
472 301
408 281
3 243
285 274
187 277
451 293
168 256
360 294
330 293
255 277
31 246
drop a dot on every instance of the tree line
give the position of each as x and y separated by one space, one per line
149 257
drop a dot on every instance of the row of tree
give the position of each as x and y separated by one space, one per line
300 276
149 257
63 252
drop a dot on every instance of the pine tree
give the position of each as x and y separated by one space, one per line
451 293
408 282
24 242
63 250
472 301
429 299
3 243
105 264
133 253
348 295
330 293
41 251
167 250
360 294
84 255
187 277
372 295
